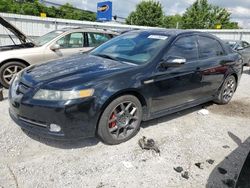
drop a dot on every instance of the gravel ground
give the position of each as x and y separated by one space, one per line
184 138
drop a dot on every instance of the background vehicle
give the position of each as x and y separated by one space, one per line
134 77
243 48
56 44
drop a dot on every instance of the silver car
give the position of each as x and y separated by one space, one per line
243 48
54 45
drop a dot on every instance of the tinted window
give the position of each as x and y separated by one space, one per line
185 47
95 39
73 40
209 47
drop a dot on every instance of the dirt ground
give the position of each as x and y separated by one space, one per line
184 138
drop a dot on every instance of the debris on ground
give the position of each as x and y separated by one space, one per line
210 161
222 170
203 112
100 185
148 144
185 175
178 169
127 164
199 165
226 146
229 182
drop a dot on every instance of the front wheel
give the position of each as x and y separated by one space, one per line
227 90
121 120
8 71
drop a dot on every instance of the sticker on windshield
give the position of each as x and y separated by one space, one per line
159 37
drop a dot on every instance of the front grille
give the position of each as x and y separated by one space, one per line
33 122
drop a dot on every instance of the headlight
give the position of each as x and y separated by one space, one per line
53 95
14 85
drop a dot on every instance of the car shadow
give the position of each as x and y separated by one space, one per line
170 117
64 144
226 172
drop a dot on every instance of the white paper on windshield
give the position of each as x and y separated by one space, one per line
158 37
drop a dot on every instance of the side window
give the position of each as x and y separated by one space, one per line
185 47
73 40
209 47
95 39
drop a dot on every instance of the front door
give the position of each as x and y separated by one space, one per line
70 44
175 86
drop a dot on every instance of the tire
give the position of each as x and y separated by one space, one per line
8 71
227 90
121 120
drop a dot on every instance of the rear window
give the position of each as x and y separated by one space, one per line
95 39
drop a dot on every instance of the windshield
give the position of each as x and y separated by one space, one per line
137 48
47 37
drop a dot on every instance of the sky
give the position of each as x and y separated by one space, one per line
240 9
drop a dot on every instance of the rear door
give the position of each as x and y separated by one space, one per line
213 64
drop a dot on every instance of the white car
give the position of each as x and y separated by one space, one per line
54 45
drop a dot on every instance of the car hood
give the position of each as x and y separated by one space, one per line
19 34
80 67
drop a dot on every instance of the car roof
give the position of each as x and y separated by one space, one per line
82 29
172 32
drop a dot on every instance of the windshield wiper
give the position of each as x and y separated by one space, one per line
107 56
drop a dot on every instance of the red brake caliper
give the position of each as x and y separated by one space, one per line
112 124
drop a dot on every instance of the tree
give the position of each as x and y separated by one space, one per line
202 15
173 21
147 13
34 8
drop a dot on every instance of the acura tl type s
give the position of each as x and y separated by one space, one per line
134 77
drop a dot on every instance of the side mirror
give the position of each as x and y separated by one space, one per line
173 62
239 48
55 47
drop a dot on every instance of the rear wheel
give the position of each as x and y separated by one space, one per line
227 90
120 120
8 71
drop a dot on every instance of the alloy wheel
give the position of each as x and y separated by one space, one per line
10 72
123 120
229 89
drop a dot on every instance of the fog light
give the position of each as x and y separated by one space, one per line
54 128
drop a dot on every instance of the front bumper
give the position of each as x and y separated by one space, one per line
77 118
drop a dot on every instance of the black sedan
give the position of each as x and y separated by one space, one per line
134 77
